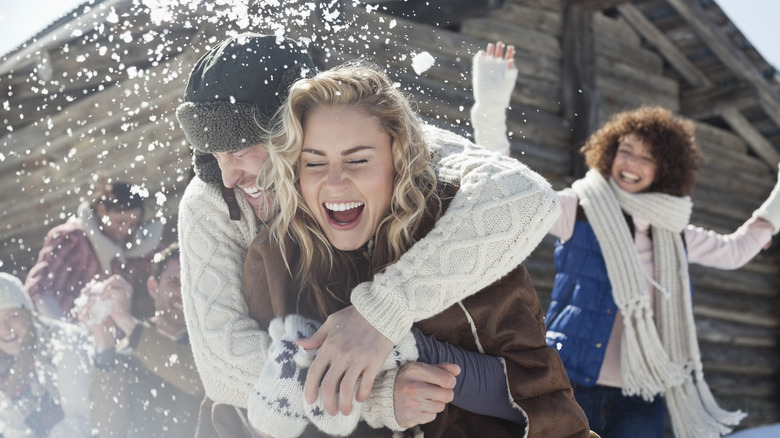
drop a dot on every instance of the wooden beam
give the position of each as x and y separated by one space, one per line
596 5
754 138
581 97
730 55
668 49
706 103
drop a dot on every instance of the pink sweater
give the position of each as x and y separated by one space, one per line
705 247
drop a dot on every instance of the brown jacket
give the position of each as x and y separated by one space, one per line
508 322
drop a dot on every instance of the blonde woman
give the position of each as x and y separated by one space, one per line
355 188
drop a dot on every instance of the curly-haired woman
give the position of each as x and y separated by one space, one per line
621 314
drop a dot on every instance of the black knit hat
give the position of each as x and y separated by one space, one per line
234 91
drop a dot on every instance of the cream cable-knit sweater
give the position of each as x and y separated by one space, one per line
499 215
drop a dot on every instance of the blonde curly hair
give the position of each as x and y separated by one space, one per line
363 85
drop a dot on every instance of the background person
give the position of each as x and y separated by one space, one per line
105 237
622 257
44 370
147 384
621 312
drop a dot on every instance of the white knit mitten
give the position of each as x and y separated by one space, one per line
275 405
343 425
770 209
492 82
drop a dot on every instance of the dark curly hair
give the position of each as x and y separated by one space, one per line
672 145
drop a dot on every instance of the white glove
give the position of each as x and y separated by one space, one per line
770 209
492 83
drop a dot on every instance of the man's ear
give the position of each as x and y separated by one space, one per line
151 286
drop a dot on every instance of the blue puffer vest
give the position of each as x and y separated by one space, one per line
582 311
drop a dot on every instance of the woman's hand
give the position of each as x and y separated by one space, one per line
349 349
497 51
421 391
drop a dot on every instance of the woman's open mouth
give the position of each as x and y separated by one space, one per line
344 213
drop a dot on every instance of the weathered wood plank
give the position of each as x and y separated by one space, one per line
637 56
741 282
548 5
658 39
581 96
724 49
633 78
754 138
708 103
523 39
530 17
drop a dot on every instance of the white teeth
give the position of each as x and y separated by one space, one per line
252 191
630 176
342 206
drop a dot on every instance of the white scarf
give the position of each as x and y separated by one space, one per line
658 354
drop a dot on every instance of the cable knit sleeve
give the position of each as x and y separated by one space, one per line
228 346
500 214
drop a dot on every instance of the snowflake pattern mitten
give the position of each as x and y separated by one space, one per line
275 406
343 425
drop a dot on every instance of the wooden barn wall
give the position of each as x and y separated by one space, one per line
126 129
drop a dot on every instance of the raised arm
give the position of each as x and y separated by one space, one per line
732 251
228 346
493 79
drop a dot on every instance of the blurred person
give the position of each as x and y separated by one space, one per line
621 314
622 256
146 385
105 237
44 370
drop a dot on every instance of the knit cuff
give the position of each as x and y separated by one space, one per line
403 352
379 411
770 209
490 131
384 308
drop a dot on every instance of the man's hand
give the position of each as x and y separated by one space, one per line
349 349
421 391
